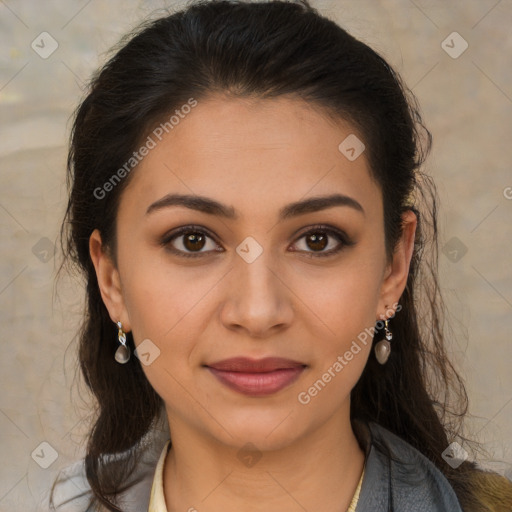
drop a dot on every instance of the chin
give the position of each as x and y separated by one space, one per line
266 430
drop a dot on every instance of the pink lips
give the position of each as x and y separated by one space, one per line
257 377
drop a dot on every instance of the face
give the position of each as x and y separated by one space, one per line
255 269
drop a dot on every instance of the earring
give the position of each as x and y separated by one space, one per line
123 352
383 347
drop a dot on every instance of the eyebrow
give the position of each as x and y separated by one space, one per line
213 207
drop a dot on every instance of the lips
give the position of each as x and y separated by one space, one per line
257 377
246 365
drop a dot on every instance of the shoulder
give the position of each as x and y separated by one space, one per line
398 477
72 492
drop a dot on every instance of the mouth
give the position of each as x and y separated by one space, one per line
257 377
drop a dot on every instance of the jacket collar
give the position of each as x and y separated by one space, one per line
397 477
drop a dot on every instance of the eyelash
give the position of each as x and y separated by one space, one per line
344 240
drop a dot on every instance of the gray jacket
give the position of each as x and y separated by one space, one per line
401 480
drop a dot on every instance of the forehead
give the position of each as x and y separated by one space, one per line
254 152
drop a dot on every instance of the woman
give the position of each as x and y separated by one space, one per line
249 213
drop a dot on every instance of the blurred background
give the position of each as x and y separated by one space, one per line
456 56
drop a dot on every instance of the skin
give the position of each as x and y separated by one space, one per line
255 156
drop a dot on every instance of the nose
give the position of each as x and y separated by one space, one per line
257 298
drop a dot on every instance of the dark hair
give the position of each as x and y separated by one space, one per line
262 50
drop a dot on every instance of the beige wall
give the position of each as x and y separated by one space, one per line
467 103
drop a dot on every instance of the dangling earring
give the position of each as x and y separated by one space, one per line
123 352
383 347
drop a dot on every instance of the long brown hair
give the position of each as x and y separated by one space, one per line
265 50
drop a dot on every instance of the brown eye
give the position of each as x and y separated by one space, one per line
194 242
317 242
189 242
317 239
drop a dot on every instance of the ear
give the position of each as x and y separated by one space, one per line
397 271
108 281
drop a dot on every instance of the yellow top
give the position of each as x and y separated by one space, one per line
157 499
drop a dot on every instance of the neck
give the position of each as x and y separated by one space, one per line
319 471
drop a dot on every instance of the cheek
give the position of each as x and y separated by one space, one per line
161 297
342 305
167 308
343 300
346 312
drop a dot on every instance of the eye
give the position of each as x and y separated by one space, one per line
189 241
320 237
